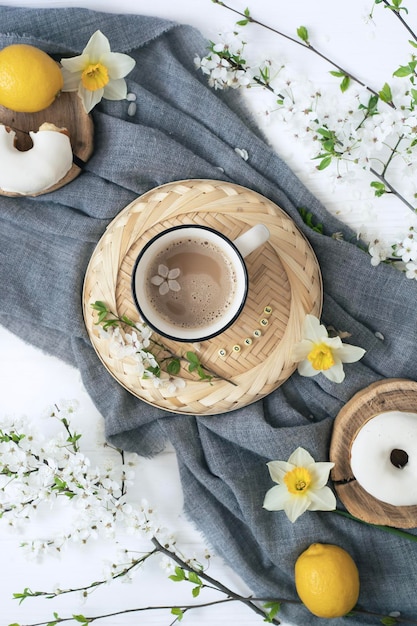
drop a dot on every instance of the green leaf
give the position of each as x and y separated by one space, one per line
324 163
192 357
325 132
173 367
194 578
337 74
179 575
403 70
309 220
302 32
379 188
196 591
81 619
274 608
413 43
242 22
345 83
178 612
247 12
385 94
389 621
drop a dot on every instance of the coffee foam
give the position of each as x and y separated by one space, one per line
207 279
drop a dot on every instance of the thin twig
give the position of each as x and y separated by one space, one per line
301 43
218 585
402 20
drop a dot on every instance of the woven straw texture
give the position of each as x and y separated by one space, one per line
251 358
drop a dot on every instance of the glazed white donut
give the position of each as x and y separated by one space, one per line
34 170
383 457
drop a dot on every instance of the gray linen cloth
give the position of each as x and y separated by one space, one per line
183 129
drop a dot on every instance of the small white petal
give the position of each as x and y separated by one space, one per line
115 89
157 280
75 64
242 153
71 80
174 273
163 270
174 285
296 506
313 330
320 472
163 289
276 498
306 369
336 373
322 500
118 64
350 354
278 469
89 98
97 46
301 350
301 458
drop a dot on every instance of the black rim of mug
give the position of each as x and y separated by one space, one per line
146 319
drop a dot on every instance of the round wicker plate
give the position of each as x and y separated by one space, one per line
254 354
386 395
67 111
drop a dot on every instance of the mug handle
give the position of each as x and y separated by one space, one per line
252 239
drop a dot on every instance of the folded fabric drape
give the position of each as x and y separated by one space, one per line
182 129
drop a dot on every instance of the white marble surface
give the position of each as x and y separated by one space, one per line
31 381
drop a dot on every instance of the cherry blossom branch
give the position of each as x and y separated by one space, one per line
396 8
303 42
384 95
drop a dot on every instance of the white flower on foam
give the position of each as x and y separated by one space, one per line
166 279
301 485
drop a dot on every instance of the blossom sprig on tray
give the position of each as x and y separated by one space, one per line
370 130
162 370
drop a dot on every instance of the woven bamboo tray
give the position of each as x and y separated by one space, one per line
254 354
387 395
66 111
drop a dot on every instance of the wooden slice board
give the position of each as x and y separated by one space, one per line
382 396
67 111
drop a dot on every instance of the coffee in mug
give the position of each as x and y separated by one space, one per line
190 282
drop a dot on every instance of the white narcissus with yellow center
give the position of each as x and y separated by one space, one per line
317 352
97 72
301 485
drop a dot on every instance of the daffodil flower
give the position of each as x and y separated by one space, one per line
97 73
301 485
317 352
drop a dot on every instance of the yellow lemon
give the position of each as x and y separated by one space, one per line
30 79
327 580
